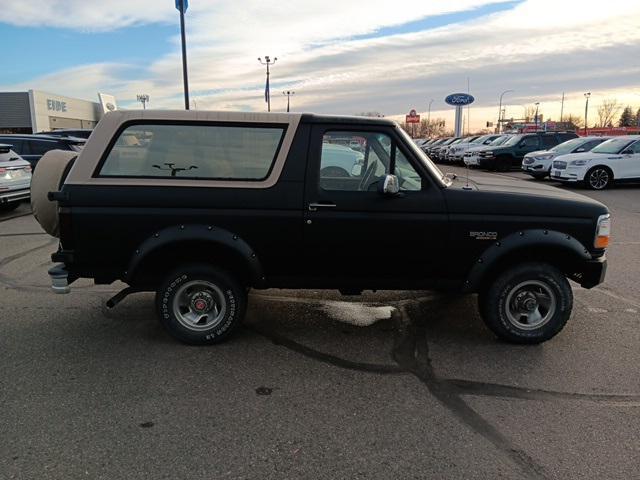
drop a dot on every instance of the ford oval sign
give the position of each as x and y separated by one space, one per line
459 99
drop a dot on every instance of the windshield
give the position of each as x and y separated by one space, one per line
512 140
568 146
500 140
615 145
422 157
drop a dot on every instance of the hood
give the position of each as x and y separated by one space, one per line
501 195
583 156
17 163
481 147
540 152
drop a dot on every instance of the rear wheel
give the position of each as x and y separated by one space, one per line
200 305
527 304
598 178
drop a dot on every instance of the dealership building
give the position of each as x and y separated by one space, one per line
36 111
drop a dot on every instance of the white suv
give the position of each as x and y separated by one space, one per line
538 164
617 159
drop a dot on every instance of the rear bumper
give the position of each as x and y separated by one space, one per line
7 196
593 272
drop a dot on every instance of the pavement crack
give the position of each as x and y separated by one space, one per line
323 357
412 354
7 260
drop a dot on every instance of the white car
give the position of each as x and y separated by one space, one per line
456 152
15 179
616 160
538 163
471 156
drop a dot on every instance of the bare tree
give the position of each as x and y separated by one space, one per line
529 114
575 120
607 111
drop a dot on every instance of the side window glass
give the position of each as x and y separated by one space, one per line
528 142
409 179
351 161
40 148
356 161
194 151
589 145
549 141
635 147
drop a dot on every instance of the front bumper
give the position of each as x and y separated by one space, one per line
592 272
7 196
567 175
535 168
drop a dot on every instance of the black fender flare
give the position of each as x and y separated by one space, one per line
521 240
195 232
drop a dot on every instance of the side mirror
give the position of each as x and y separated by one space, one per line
389 185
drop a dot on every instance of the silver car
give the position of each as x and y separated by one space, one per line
15 179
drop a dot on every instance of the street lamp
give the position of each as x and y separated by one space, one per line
267 92
537 105
288 93
429 120
144 99
500 107
586 110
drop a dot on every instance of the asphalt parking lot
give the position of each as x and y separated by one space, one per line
315 385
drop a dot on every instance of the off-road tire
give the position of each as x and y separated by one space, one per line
494 305
229 295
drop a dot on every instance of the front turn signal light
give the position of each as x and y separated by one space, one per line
603 231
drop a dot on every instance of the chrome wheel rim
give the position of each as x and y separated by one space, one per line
530 305
598 179
199 305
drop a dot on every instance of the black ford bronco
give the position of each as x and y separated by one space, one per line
201 206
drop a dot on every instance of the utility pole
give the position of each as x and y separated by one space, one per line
586 110
267 91
182 6
143 98
288 93
537 105
562 107
500 108
429 120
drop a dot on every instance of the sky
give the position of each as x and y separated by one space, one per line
340 57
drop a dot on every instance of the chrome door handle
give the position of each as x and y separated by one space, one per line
315 206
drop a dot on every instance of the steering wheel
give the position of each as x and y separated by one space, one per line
335 172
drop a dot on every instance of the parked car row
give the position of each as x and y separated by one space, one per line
15 178
594 161
32 147
19 155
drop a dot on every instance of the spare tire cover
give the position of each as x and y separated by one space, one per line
49 176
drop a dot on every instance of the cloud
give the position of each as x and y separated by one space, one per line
538 48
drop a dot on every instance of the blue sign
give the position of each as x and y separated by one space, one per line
459 99
182 5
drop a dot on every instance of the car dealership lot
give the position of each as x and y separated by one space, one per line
316 385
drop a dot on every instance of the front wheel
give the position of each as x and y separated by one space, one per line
598 178
200 305
527 304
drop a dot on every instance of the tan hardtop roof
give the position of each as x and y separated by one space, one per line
121 116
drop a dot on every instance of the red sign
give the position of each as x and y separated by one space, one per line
413 117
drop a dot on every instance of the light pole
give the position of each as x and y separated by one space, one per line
500 108
429 120
182 6
143 98
267 92
537 105
586 110
288 93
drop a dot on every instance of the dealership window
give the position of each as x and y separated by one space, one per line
194 151
357 161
